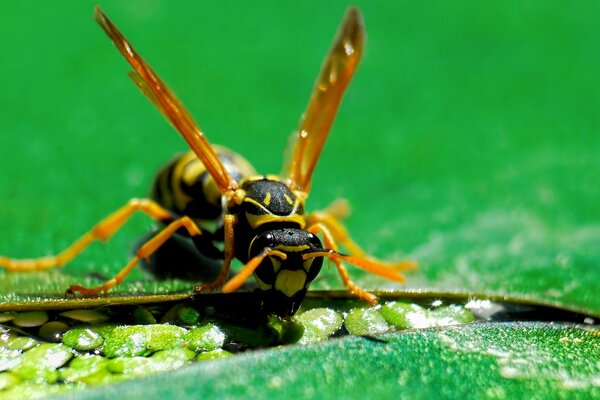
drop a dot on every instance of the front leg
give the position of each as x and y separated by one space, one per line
229 242
329 218
352 287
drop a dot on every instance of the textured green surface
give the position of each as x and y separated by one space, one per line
495 361
110 352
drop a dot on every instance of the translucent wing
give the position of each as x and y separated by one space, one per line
306 144
168 104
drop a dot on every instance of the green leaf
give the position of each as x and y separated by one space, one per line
474 361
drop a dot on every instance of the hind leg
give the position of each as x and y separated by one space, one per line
229 222
102 231
386 270
180 258
145 251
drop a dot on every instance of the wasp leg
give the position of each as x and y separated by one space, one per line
329 218
102 231
145 251
248 269
351 286
180 257
229 222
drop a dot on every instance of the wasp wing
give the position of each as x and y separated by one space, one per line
168 104
340 64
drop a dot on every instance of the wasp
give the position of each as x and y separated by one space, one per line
260 220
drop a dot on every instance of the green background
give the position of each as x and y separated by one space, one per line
468 141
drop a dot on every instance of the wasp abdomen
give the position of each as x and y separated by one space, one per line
185 187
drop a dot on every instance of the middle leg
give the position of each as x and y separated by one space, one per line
229 222
102 231
352 287
145 251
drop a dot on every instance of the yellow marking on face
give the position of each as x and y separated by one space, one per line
267 199
307 264
288 199
276 264
257 220
261 284
292 249
290 282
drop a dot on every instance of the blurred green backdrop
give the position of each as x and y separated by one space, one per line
469 139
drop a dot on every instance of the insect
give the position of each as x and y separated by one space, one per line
260 219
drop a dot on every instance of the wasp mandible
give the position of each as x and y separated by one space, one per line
261 219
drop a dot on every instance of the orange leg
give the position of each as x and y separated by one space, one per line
102 231
145 251
330 243
248 269
229 224
329 219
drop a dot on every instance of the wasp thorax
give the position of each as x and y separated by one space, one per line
267 200
271 196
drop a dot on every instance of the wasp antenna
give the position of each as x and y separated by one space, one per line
319 253
248 269
385 271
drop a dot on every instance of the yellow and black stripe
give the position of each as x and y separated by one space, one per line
185 187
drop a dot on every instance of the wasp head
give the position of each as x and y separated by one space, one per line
285 275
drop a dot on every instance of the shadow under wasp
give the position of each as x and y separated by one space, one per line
261 219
